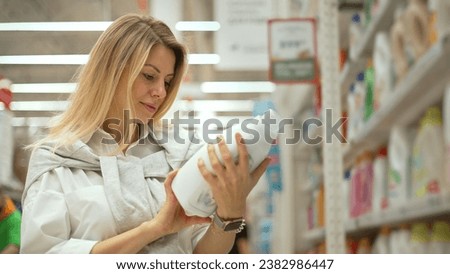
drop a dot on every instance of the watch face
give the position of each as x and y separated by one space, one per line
233 226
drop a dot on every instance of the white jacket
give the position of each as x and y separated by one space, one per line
77 196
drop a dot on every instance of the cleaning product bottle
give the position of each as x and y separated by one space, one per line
380 180
384 75
420 238
399 45
447 136
366 194
369 78
417 26
360 95
432 22
440 238
195 195
428 159
355 33
355 189
381 243
364 246
400 150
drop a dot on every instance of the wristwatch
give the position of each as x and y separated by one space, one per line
234 225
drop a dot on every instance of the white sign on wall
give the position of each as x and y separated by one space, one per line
242 41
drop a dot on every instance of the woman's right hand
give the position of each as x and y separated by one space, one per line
172 218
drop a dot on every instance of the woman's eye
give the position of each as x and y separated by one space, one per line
167 84
148 76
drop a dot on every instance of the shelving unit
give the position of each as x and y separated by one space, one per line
406 104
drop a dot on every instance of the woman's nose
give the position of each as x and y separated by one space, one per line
159 90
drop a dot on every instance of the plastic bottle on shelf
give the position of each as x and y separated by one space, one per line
384 75
6 133
360 95
355 33
351 103
401 53
417 26
428 161
369 79
381 244
399 240
355 189
400 150
447 133
364 246
380 180
439 21
195 196
440 238
420 238
366 190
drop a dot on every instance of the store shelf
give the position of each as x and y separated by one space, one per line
418 209
408 102
315 235
358 59
381 21
415 210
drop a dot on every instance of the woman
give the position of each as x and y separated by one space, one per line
100 184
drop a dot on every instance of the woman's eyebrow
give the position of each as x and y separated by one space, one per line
150 65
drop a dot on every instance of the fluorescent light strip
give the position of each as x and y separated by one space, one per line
39 106
237 87
81 59
63 59
30 121
56 26
44 88
215 105
203 59
197 26
98 26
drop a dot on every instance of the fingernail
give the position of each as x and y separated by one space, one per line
200 161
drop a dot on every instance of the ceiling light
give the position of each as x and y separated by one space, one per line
44 88
55 26
81 59
197 26
238 87
39 105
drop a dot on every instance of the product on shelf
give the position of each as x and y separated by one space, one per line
364 246
380 180
401 51
428 162
356 30
447 133
384 76
400 150
420 238
439 19
369 79
417 26
381 244
400 240
366 194
6 134
355 188
196 197
440 238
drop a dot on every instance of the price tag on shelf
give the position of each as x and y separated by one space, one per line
293 50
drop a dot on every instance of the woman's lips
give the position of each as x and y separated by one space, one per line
149 107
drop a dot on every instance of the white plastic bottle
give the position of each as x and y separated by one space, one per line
193 192
380 179
447 135
384 75
400 150
427 166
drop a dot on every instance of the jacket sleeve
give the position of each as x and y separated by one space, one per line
46 224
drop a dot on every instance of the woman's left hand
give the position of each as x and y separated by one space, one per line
232 182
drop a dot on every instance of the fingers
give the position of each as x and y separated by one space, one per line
227 158
207 175
169 180
243 153
216 165
259 171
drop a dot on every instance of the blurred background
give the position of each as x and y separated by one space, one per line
381 65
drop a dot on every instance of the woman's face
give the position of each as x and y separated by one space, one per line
151 85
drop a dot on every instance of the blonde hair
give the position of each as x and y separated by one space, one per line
120 51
